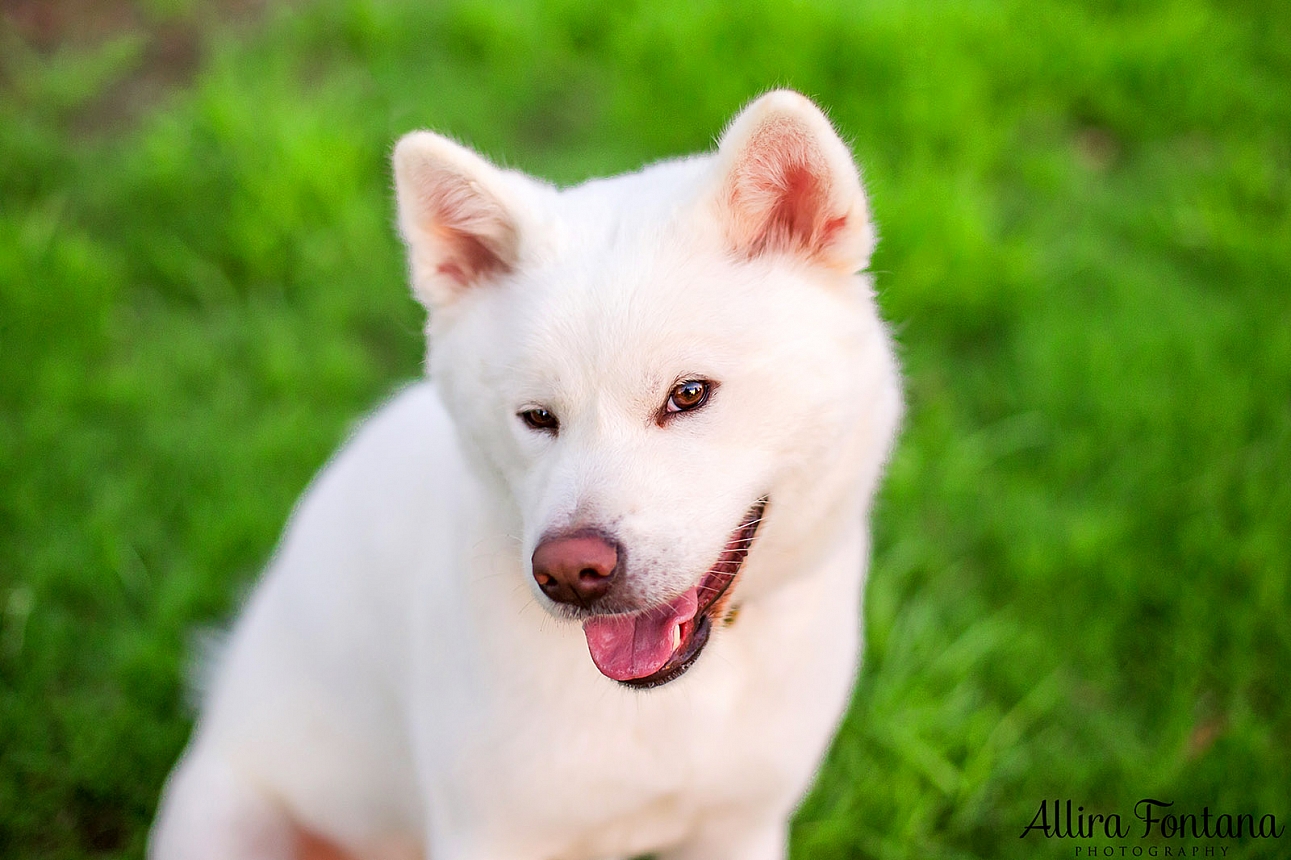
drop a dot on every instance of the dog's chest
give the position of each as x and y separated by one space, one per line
594 770
620 780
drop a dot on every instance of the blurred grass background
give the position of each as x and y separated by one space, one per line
1083 549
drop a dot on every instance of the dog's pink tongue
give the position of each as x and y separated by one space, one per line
633 646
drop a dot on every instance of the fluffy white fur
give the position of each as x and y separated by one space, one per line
398 686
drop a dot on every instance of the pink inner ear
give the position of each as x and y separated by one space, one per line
474 237
779 193
468 258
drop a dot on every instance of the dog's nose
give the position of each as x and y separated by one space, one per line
575 569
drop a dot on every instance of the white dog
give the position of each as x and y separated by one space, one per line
593 591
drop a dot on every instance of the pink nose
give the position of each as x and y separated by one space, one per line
577 569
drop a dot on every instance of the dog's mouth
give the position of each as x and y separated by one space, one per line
657 645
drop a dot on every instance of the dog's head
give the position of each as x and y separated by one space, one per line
659 368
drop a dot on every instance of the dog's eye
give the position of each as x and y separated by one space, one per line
688 395
540 419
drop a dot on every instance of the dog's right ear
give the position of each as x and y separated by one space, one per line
457 216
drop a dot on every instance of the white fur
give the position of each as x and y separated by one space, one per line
399 686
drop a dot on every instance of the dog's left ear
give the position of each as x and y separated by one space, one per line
786 184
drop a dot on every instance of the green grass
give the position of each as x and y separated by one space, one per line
1082 584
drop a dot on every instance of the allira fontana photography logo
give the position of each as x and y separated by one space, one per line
1173 832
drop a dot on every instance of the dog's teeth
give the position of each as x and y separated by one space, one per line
676 636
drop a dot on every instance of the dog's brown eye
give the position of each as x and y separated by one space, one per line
688 395
540 419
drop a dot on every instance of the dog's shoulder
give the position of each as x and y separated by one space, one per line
405 440
399 467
